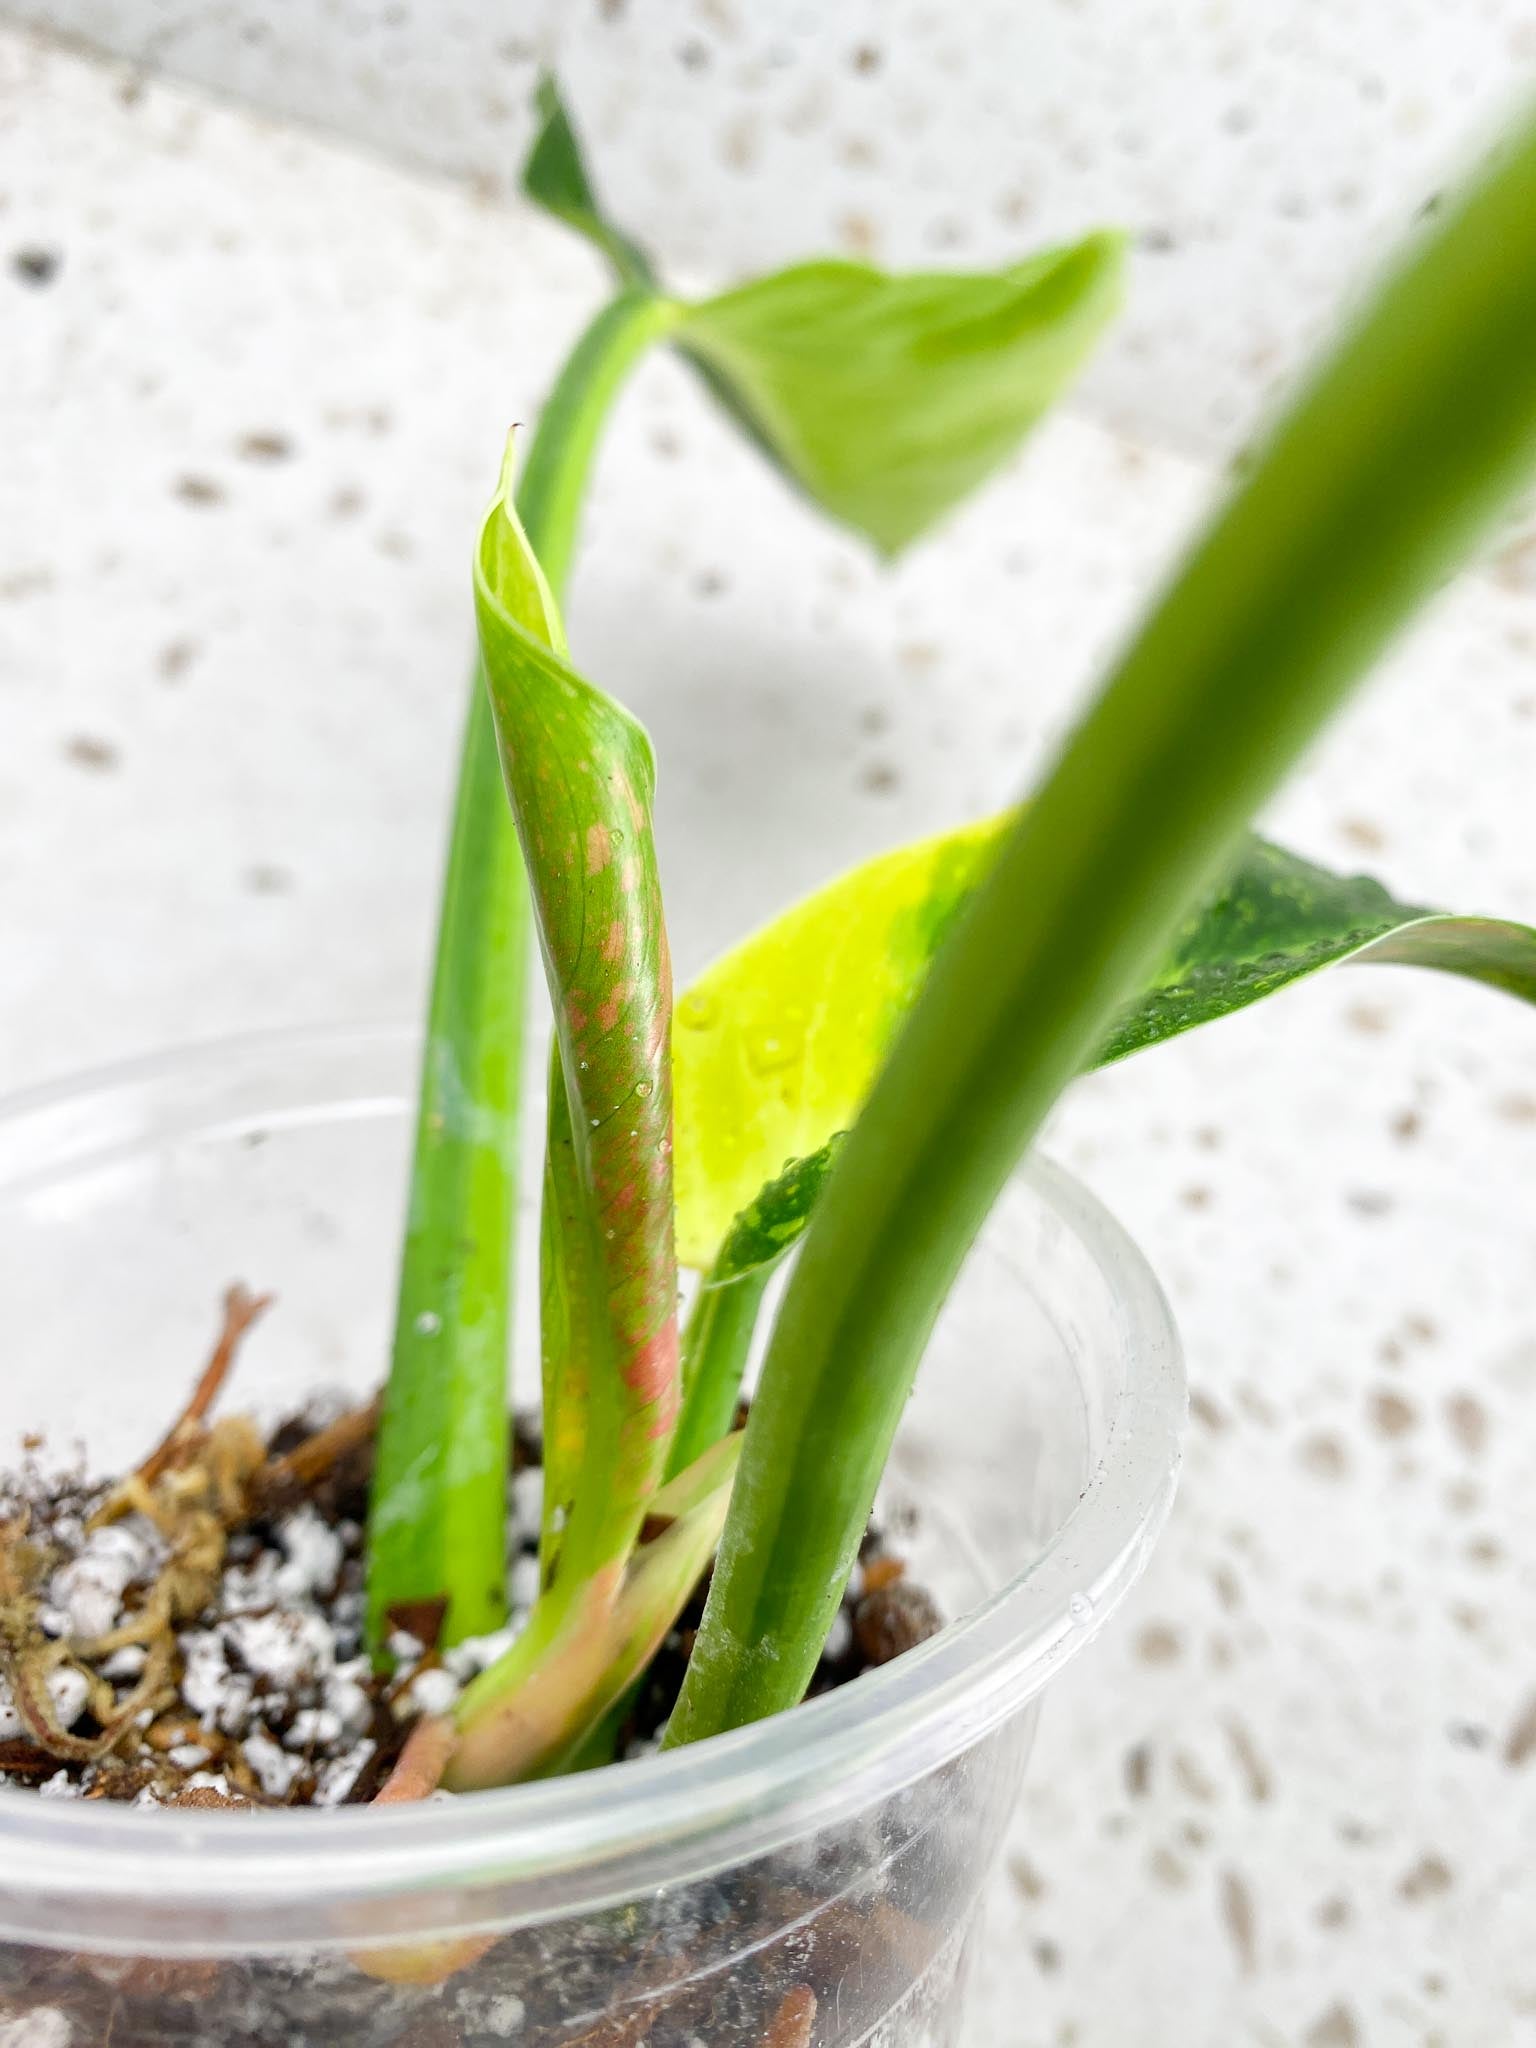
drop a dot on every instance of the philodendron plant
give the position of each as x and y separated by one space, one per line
859 1079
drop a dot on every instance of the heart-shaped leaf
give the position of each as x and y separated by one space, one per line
888 399
884 398
778 1043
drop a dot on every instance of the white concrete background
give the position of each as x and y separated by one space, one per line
248 423
1256 148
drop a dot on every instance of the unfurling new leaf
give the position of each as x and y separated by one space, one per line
437 1527
580 776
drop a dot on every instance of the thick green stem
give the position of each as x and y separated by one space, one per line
1417 432
437 1528
715 1347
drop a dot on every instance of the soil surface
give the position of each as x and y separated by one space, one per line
191 1634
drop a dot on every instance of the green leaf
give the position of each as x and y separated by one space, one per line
769 1225
761 1077
888 399
1416 433
555 177
1280 917
580 778
885 399
777 1044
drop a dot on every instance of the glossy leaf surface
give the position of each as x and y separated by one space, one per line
580 778
887 399
764 1082
777 1043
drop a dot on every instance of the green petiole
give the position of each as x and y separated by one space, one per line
716 1342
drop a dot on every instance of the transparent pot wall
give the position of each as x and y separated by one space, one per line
857 1932
813 1880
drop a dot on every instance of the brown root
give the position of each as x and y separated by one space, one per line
26 1672
301 1469
241 1309
792 2023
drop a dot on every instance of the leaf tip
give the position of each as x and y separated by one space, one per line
506 480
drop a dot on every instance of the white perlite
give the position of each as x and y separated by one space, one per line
291 1648
312 1556
338 1777
85 1596
528 1502
276 1665
434 1692
475 1654
523 1586
45 2027
275 1769
500 2014
68 1689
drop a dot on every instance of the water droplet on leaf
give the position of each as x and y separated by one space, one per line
775 1050
697 1012
428 1323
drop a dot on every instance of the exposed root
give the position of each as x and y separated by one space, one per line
22 1759
792 2023
307 1463
193 1487
26 1672
19 1562
181 1440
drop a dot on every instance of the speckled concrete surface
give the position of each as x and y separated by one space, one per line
257 388
1254 148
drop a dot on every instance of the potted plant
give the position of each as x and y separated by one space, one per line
867 1072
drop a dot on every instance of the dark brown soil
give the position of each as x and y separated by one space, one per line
191 1634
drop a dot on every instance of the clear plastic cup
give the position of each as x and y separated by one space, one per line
810 1882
